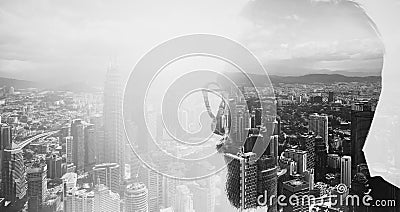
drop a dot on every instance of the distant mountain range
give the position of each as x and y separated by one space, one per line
322 78
305 79
73 86
16 83
237 77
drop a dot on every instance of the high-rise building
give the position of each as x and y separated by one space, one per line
299 189
37 186
320 158
113 126
267 183
331 97
361 120
345 170
203 194
333 161
69 148
78 144
105 200
14 185
241 185
107 174
308 144
5 140
90 146
155 185
299 156
184 199
318 124
97 121
5 136
79 201
54 167
136 198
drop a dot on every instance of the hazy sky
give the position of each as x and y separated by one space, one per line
75 40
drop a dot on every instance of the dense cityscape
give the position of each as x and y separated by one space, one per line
66 151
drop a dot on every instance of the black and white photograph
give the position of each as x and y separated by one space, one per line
200 106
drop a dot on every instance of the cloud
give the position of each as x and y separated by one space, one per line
309 32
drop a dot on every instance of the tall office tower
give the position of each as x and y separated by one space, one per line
54 167
69 148
318 124
333 161
184 199
307 144
136 198
79 201
90 146
13 174
299 156
320 159
204 194
331 97
267 183
310 178
242 123
241 185
345 170
5 140
361 120
105 200
97 121
5 136
155 184
37 186
107 174
65 131
298 188
113 126
78 144
171 192
273 147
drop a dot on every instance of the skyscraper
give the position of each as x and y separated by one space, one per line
107 174
90 146
79 201
97 121
345 170
78 144
69 148
5 140
298 188
299 156
361 120
204 194
5 136
320 158
54 167
184 199
307 143
318 124
241 185
105 200
37 186
155 184
331 97
113 129
14 184
136 198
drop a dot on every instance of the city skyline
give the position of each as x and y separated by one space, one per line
198 106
